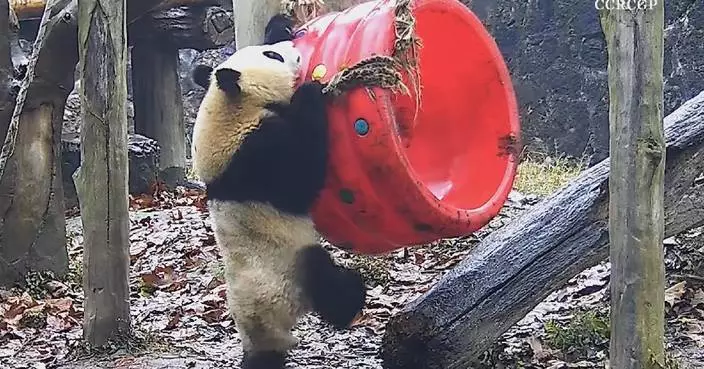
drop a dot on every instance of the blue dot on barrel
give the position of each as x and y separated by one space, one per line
361 127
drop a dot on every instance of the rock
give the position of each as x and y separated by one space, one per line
70 161
143 161
556 53
193 94
185 66
72 113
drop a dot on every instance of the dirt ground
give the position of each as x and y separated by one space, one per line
180 316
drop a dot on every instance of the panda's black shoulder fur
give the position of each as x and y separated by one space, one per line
284 161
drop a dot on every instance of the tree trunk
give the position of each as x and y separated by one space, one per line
101 180
251 17
158 106
515 268
634 42
32 223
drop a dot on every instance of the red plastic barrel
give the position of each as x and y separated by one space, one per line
396 181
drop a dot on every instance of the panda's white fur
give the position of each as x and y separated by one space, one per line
261 148
259 246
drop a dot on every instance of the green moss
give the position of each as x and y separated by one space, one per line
35 283
74 276
33 319
541 175
585 331
374 269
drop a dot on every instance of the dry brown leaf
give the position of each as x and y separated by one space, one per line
698 298
214 315
174 320
59 305
164 278
674 294
176 214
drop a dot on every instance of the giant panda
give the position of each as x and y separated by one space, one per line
260 147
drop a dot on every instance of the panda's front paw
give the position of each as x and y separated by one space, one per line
309 98
313 87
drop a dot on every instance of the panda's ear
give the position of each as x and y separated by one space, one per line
227 80
201 75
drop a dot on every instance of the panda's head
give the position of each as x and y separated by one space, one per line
260 72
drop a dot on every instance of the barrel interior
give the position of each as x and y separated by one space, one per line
459 145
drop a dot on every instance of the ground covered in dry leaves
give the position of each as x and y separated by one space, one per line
180 315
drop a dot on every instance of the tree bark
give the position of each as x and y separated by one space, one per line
32 223
251 17
101 180
515 268
158 106
634 42
195 27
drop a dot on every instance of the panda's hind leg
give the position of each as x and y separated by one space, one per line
262 346
263 321
337 294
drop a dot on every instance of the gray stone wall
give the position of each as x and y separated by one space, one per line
556 53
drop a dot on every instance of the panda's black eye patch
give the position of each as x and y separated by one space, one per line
274 55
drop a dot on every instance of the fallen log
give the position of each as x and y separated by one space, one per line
185 27
28 9
515 268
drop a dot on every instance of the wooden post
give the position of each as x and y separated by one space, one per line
251 17
158 106
101 181
634 40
